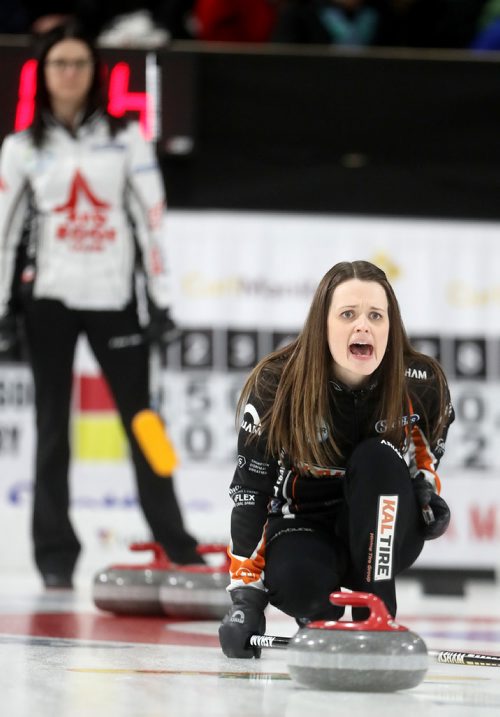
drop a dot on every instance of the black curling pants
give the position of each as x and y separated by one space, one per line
375 534
52 331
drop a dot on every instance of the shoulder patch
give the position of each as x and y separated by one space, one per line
251 419
418 373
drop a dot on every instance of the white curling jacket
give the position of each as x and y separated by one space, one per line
92 193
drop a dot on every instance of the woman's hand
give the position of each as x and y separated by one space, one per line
435 511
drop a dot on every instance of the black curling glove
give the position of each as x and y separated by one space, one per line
244 619
435 511
161 328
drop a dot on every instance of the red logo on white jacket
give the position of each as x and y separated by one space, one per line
85 224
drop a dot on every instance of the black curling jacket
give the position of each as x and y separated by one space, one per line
264 486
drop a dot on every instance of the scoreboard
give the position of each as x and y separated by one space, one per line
157 88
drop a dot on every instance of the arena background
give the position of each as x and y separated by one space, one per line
278 164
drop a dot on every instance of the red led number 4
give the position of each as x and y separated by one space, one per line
120 100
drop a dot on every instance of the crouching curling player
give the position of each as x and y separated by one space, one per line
336 486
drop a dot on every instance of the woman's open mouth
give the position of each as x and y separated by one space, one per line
361 350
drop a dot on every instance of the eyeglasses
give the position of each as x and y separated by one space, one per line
61 65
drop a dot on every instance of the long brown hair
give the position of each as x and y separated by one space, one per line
293 380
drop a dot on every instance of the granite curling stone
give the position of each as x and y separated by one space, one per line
197 591
133 589
374 655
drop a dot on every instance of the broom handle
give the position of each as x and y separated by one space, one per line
449 657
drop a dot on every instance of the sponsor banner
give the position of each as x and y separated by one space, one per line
242 286
249 269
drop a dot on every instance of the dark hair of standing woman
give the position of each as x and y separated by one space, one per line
295 378
96 97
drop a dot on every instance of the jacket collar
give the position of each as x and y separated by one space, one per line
83 120
362 391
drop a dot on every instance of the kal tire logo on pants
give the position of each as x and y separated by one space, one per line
386 529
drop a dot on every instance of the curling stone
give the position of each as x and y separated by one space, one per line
197 591
374 655
133 589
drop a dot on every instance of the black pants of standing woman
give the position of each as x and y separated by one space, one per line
52 331
374 535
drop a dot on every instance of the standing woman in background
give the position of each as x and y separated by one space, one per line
87 190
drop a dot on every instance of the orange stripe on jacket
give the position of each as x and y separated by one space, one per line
248 570
423 455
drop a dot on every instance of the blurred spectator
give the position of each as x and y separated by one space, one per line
397 23
134 29
133 18
128 22
388 23
488 28
234 20
337 22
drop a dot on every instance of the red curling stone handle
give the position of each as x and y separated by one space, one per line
157 549
160 560
379 618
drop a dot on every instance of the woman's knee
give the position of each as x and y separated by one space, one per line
380 459
374 451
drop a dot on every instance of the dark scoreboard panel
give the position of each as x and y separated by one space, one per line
388 133
136 87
